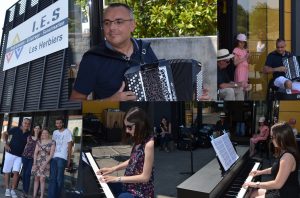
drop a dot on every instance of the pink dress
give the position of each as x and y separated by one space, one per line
263 134
241 71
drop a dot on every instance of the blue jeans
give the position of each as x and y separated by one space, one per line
116 189
56 180
27 165
240 129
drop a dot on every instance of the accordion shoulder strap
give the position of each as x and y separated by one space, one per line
143 45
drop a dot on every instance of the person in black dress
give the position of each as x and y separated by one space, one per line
285 168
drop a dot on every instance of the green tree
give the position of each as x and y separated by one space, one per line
173 18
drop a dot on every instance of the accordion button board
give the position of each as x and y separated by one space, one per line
166 80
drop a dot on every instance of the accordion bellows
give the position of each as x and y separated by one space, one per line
292 66
166 80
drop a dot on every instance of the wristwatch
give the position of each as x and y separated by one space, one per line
257 184
119 179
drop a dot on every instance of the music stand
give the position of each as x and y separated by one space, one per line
192 161
190 146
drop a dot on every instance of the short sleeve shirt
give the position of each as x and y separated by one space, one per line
103 75
274 60
18 141
61 138
223 77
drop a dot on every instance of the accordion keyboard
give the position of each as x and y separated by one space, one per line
153 85
292 67
135 84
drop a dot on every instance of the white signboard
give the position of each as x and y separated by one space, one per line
40 35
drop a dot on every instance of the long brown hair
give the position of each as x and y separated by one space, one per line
139 118
285 139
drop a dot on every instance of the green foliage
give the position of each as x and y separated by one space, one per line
172 18
242 20
82 4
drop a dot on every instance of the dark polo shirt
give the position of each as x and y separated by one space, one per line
222 77
18 141
102 69
274 60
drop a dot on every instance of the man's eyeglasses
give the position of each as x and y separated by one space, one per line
129 127
117 22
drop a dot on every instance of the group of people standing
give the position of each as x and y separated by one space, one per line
36 154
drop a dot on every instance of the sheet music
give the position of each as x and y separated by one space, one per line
225 151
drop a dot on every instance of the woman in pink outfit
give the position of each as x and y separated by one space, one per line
263 135
241 58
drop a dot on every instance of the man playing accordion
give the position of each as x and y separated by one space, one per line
102 68
275 65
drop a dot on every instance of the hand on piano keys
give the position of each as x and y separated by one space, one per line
109 179
249 184
255 173
105 171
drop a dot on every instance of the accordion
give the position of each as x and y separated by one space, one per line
166 80
292 66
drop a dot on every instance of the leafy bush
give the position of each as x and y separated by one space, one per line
173 18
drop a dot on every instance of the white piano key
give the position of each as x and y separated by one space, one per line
95 168
243 190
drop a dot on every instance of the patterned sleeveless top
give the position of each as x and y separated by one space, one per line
29 148
135 167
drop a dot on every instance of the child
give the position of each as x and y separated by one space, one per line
241 58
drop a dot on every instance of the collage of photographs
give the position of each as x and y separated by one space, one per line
150 99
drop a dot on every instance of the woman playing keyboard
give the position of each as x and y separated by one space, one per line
284 170
138 180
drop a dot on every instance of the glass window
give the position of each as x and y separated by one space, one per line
75 126
79 30
14 122
51 121
287 24
40 119
79 35
259 20
5 122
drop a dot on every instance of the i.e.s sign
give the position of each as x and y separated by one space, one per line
40 35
